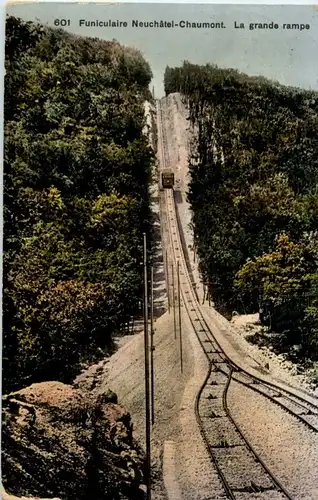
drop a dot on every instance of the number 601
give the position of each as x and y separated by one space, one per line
62 22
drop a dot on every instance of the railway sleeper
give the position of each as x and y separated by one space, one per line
239 467
268 392
254 488
215 415
246 383
225 444
212 396
218 379
208 406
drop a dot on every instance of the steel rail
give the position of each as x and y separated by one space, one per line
186 301
287 394
229 491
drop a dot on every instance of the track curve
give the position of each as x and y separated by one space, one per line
219 362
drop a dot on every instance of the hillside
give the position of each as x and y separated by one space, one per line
253 193
77 166
76 173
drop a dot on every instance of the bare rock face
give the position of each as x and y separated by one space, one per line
60 441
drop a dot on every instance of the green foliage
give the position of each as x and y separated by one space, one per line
76 202
284 283
254 177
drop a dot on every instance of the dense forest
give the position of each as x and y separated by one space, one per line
254 196
76 172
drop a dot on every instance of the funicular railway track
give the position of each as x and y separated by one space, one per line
241 469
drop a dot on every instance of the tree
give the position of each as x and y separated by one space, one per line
254 171
283 282
76 201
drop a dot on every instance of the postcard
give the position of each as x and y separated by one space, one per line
160 276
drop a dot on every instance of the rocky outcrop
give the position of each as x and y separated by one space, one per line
61 441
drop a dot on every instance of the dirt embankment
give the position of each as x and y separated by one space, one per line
178 452
174 425
258 344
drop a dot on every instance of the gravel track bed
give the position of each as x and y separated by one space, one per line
179 142
234 343
240 468
293 406
291 403
221 430
267 495
215 392
303 404
252 358
213 405
288 448
312 419
206 411
246 379
224 367
216 358
216 378
175 392
194 473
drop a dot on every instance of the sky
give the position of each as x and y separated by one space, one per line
286 55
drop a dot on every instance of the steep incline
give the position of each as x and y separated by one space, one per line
257 416
177 446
